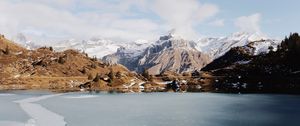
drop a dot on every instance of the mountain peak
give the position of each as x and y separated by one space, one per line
172 34
250 36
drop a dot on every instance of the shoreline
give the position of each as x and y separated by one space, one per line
143 92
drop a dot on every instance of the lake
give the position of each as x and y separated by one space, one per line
42 108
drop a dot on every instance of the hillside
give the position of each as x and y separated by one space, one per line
8 44
276 71
44 68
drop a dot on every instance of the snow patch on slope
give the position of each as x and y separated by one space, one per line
217 47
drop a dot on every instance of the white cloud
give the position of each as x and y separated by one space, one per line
184 15
249 23
124 20
55 20
217 23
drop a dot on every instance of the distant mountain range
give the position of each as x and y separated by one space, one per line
172 53
169 53
241 62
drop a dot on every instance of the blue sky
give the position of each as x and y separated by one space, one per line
279 17
130 20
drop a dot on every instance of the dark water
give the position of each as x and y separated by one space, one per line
165 109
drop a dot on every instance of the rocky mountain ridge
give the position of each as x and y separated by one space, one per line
136 56
169 53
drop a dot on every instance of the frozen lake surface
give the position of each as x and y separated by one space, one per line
40 108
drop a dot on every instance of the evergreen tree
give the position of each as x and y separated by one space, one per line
94 58
83 70
291 44
97 78
61 60
271 48
83 52
146 75
118 74
111 75
6 51
51 48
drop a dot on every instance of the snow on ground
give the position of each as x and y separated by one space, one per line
164 82
243 62
263 47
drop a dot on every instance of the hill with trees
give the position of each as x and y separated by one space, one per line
276 71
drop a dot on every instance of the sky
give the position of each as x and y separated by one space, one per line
131 20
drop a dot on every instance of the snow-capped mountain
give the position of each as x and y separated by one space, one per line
217 47
169 53
172 53
128 54
97 46
93 47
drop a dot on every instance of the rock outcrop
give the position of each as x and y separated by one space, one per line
172 54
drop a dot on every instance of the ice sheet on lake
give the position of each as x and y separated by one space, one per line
35 99
40 116
11 123
6 94
81 96
153 109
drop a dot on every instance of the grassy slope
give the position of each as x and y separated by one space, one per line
43 68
